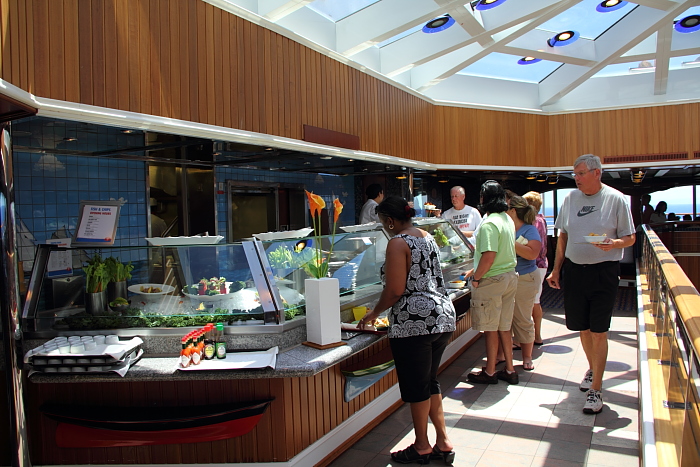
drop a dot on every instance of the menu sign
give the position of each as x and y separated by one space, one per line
98 222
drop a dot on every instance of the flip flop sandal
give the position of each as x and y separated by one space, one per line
539 343
410 456
528 366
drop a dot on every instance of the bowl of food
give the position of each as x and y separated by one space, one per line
595 238
151 289
455 284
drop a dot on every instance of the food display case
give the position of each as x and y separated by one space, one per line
250 283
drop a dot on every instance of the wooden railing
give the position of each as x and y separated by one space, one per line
670 338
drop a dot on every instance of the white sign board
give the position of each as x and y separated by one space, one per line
97 222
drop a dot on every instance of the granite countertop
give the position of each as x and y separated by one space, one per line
297 361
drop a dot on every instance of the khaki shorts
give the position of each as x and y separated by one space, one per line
523 326
493 301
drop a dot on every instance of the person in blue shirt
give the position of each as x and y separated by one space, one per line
527 247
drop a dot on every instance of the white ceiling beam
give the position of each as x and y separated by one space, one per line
652 55
657 4
414 47
275 10
663 57
383 20
544 55
414 57
466 20
625 34
515 32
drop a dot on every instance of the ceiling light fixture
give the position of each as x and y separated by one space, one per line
488 4
401 177
528 60
692 63
644 67
563 38
443 180
638 176
530 176
553 179
541 178
438 24
128 132
688 24
70 138
610 5
325 158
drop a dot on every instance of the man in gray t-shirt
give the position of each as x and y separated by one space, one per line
591 271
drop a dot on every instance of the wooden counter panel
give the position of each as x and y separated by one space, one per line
304 410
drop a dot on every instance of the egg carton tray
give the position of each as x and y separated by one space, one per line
120 367
113 351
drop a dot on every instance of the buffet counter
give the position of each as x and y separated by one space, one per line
307 409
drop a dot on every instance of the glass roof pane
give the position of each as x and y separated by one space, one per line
335 10
400 35
584 18
503 66
619 69
690 11
677 63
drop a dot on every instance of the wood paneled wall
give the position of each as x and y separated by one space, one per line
188 60
650 130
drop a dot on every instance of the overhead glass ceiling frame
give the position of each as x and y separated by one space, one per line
384 36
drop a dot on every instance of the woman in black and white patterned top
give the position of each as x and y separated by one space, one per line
422 319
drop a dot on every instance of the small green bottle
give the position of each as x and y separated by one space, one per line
220 341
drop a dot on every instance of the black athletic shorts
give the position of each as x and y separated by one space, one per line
589 294
417 360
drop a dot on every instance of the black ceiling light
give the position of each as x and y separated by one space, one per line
563 38
688 24
528 60
610 5
488 4
541 178
530 176
438 24
553 179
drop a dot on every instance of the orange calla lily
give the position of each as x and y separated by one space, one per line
337 209
316 203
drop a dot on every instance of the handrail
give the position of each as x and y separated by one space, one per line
672 320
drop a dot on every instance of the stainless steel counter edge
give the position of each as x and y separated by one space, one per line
298 361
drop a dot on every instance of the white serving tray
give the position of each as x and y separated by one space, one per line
360 227
288 234
180 241
115 351
238 361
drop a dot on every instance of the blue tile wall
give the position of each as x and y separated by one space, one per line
328 187
49 188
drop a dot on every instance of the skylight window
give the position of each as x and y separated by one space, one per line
503 66
335 10
688 61
621 69
400 35
690 11
584 18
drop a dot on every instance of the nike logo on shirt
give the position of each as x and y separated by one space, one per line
586 210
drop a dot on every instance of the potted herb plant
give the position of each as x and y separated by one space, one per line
118 273
96 280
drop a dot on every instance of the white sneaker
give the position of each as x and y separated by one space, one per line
594 402
587 381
